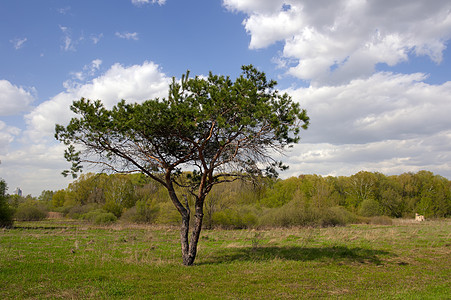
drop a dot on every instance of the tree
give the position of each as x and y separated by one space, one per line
6 213
220 130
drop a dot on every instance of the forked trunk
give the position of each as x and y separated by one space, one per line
184 231
189 249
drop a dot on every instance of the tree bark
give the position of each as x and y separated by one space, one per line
198 217
184 232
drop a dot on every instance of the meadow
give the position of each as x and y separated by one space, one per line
64 259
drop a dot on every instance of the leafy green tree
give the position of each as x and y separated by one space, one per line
58 198
119 194
281 192
6 213
361 187
88 188
220 129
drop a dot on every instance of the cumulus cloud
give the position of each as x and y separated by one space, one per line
134 83
14 99
35 167
7 135
336 41
39 151
384 106
389 157
390 123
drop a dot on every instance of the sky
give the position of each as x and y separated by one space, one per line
374 75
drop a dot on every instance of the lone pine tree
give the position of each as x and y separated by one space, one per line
217 129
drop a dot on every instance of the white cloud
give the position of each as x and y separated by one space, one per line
383 107
95 38
390 157
87 71
34 168
68 42
141 2
127 35
253 6
14 99
18 42
63 10
390 123
333 42
37 164
134 83
7 135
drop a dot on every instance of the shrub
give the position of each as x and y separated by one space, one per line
114 208
77 211
299 213
142 212
105 218
99 216
30 212
6 212
236 218
370 208
6 215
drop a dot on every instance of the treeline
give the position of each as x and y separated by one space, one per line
307 200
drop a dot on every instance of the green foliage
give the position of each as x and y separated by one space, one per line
30 211
114 208
77 211
281 192
99 217
370 208
143 212
6 212
300 213
59 198
236 218
309 200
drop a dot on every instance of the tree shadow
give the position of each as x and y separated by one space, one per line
295 253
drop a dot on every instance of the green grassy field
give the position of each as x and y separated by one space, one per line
62 259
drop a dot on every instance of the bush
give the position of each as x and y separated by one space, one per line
6 215
237 218
105 218
30 212
6 212
298 213
77 211
370 208
99 216
142 212
114 208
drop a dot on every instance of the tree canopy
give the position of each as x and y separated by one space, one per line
217 128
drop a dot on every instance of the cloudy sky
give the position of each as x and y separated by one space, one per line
374 75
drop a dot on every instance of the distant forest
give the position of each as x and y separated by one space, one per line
307 200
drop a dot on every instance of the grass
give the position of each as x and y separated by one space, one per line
56 259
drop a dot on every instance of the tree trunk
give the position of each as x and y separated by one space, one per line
189 250
184 231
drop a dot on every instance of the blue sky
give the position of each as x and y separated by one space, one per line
373 75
